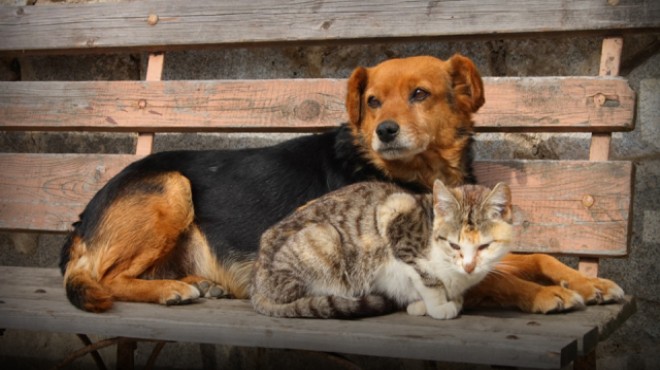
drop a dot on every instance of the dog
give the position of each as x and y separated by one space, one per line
176 226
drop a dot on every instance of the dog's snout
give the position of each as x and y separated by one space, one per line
387 131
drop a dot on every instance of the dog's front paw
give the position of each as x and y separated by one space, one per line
610 291
556 299
444 311
596 290
209 289
179 292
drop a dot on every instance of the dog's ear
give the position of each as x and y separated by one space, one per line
357 83
467 84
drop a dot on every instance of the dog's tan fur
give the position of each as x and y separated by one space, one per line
437 129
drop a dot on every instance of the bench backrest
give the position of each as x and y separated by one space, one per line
579 207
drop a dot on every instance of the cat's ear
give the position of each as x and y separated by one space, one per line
498 203
444 202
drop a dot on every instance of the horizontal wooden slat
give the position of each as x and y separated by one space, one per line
556 104
48 191
568 207
33 299
99 27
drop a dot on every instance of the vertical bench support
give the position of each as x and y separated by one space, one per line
599 150
145 142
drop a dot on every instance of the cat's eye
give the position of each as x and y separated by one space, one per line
484 246
419 95
455 246
373 102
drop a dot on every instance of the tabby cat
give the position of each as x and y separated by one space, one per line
371 248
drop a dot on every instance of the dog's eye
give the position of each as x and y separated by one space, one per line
419 95
373 103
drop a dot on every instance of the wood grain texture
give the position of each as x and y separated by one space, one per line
99 27
145 140
610 58
553 104
47 192
33 299
567 207
599 150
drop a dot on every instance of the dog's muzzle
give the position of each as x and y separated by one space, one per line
387 131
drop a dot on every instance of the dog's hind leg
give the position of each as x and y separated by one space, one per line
138 232
193 262
213 278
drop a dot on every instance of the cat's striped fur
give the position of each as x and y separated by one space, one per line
373 247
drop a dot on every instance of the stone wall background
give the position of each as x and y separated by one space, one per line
634 346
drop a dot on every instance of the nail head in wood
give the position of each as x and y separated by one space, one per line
142 103
152 19
588 201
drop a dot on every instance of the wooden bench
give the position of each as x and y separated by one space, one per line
569 207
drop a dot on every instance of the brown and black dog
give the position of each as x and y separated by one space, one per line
176 226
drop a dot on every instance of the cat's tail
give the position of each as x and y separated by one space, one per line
324 307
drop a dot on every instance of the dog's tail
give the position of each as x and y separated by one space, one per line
82 290
324 307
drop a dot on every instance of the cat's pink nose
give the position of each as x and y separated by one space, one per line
469 267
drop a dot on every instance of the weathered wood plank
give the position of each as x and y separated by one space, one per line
585 331
607 318
571 207
34 299
48 191
555 104
99 27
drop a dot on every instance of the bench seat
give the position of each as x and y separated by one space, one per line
580 208
34 299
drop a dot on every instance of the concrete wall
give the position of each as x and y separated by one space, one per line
634 346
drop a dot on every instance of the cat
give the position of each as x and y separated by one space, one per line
371 248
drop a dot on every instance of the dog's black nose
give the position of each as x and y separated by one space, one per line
387 131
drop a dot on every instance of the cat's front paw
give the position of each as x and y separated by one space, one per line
417 308
444 311
596 290
556 299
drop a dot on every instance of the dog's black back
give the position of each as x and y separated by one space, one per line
238 194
